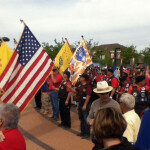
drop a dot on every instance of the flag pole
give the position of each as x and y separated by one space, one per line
22 21
63 40
82 37
22 31
69 45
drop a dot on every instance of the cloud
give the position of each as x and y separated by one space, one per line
107 21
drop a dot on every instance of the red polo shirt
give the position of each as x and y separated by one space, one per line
68 84
114 82
99 78
80 89
13 140
58 78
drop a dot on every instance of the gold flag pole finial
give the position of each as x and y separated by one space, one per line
22 21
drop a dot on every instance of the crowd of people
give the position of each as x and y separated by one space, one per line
113 112
109 109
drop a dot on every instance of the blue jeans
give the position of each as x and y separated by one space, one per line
55 104
84 127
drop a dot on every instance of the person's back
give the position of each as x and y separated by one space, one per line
127 103
13 140
133 125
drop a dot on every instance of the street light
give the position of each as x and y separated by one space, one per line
115 54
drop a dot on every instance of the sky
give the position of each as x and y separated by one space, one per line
125 22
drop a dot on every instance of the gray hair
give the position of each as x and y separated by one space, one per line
128 100
9 113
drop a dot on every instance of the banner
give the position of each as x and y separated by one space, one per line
63 58
79 62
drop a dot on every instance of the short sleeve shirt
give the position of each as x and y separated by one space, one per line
68 84
138 88
114 82
58 78
81 88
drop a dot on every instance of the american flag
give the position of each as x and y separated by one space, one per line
26 71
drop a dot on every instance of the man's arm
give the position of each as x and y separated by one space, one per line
55 89
2 137
90 117
68 97
53 79
88 96
71 89
86 102
112 92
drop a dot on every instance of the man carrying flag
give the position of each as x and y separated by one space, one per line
80 61
63 58
26 71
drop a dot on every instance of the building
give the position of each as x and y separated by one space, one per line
104 50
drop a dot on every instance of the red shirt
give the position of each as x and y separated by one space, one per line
122 89
14 140
58 78
66 85
147 81
114 83
128 79
98 78
88 91
138 88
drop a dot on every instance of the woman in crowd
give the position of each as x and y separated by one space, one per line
108 128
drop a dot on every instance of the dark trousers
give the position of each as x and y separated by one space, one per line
65 113
38 99
84 127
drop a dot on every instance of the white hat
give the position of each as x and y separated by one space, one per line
102 87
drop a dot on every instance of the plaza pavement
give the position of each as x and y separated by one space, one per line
42 133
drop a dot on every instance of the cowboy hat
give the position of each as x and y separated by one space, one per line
102 87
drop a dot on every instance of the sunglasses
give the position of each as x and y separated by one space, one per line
104 93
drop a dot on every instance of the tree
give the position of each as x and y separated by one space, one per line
128 53
89 43
146 54
103 62
51 50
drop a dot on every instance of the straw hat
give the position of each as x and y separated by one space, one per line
102 87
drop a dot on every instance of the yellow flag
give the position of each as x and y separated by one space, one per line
5 55
63 58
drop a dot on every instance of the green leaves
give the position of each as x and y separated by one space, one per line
146 54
